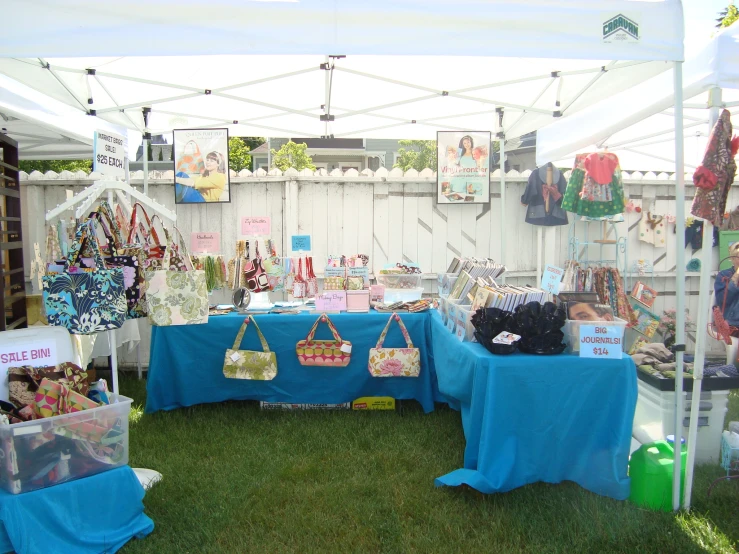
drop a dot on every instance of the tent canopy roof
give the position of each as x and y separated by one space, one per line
638 124
258 63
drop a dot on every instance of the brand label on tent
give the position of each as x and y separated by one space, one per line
109 154
600 341
256 226
205 242
552 279
620 29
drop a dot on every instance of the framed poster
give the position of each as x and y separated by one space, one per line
463 167
201 166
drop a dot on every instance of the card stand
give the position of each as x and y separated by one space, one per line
463 328
445 283
571 331
451 308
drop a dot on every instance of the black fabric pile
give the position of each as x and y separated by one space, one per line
539 325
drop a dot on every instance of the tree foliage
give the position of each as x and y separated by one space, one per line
55 165
238 154
416 154
292 155
728 16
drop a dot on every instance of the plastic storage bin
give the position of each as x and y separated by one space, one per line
651 470
463 328
402 295
572 331
654 419
445 283
400 281
45 452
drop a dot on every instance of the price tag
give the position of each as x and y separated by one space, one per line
346 348
600 341
300 243
235 357
552 279
256 226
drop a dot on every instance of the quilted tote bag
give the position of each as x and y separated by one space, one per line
85 302
311 283
176 297
335 353
394 362
188 165
250 364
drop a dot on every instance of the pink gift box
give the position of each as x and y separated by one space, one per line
357 301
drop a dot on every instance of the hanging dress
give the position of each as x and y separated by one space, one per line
715 175
538 192
595 188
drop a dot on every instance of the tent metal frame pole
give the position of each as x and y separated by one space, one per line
501 153
631 142
653 156
679 280
702 322
327 95
605 69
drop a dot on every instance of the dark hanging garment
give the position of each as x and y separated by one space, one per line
536 194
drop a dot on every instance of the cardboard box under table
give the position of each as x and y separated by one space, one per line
533 418
186 362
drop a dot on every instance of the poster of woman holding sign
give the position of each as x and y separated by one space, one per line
201 166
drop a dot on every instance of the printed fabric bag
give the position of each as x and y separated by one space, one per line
394 362
23 381
335 353
274 269
256 277
143 233
298 287
176 297
188 165
85 302
250 364
311 282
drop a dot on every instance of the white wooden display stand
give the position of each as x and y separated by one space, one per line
85 200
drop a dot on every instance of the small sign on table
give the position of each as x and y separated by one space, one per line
331 301
601 341
552 279
205 242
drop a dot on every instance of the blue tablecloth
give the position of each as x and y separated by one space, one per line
92 515
537 418
186 363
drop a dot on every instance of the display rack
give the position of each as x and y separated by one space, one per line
13 293
579 250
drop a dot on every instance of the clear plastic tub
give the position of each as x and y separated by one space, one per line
463 328
52 450
572 331
402 295
445 283
400 281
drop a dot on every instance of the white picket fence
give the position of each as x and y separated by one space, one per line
391 216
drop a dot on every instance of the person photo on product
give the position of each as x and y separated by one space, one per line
466 159
726 287
586 311
212 181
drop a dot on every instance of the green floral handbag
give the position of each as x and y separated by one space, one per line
250 364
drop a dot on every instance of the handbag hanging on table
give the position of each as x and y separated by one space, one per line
335 353
256 277
394 362
85 302
250 364
176 297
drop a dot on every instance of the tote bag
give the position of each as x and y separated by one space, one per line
176 297
85 302
394 362
250 364
190 164
336 353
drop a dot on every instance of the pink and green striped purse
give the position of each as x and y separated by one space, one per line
336 353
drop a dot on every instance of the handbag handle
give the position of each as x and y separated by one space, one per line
195 150
110 238
81 236
240 335
325 318
105 210
403 330
184 254
133 227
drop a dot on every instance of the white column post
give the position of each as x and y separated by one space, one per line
502 204
680 278
146 165
701 336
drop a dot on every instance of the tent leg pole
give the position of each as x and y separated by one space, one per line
146 167
679 280
539 248
701 325
502 205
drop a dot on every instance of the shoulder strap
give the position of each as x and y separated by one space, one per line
240 335
323 317
84 231
402 329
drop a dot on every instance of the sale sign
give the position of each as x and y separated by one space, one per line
552 279
201 243
331 301
109 154
256 226
601 341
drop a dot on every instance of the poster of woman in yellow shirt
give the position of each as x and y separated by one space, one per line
201 178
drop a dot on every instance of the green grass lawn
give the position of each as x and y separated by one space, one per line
240 480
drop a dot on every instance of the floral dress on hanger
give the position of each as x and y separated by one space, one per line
595 188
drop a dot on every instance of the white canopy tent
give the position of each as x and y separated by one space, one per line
640 135
316 68
46 129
